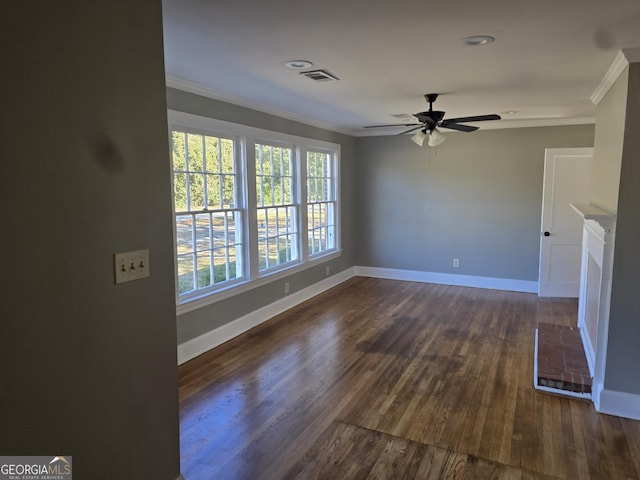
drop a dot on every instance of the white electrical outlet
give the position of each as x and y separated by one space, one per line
286 287
327 271
456 262
131 265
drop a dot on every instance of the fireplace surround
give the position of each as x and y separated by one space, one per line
595 288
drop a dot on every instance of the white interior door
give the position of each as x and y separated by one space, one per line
567 176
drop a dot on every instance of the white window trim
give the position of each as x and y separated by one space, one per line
335 196
295 152
246 137
242 203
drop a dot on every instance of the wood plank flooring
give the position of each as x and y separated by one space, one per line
394 380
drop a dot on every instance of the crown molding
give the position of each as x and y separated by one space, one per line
204 91
616 68
624 58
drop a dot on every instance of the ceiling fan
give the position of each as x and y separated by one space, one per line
430 120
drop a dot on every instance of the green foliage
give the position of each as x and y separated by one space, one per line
318 176
274 176
282 258
203 172
185 280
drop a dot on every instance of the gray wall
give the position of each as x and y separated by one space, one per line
623 351
198 322
88 368
477 198
608 142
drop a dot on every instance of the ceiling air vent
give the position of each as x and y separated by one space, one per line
319 75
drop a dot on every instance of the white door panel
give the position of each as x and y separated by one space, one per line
567 177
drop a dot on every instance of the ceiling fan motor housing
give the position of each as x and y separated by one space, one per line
434 116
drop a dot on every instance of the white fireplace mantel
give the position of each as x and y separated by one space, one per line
595 289
587 211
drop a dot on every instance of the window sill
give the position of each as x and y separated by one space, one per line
197 302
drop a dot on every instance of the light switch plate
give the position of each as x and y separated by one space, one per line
131 265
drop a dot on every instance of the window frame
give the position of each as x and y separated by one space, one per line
295 201
333 198
245 138
241 205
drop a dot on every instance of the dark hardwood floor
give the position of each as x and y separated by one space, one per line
395 380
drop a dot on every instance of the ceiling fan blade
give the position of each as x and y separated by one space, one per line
411 129
393 125
478 118
456 126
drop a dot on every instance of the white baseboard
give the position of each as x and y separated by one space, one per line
197 346
525 286
596 390
620 404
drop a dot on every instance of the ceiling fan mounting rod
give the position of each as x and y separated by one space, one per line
431 97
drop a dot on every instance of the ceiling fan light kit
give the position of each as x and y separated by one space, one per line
418 138
436 138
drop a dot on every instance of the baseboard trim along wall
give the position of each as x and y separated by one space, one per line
525 286
199 345
620 404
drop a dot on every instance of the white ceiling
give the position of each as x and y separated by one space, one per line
548 58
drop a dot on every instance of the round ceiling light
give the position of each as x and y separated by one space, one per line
477 40
298 64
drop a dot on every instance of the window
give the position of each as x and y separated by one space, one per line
250 206
277 209
208 218
321 202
